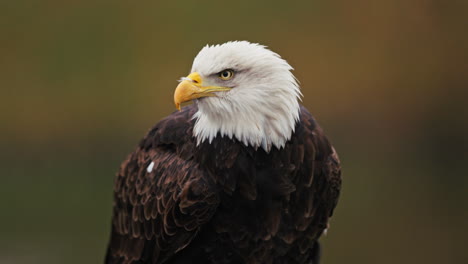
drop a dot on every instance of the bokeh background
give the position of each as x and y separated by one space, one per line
82 81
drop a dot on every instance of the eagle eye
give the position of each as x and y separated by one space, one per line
226 75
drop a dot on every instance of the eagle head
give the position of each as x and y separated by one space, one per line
244 91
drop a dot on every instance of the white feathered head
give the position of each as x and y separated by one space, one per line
243 91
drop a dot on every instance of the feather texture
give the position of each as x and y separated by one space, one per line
223 202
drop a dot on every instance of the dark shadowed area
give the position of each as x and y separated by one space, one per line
388 81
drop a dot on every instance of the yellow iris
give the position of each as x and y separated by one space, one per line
226 75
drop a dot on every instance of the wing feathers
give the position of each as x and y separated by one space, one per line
157 214
273 203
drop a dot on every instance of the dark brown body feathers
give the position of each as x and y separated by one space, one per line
223 202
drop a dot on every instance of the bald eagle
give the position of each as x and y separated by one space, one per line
243 175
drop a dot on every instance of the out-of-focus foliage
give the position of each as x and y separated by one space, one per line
82 81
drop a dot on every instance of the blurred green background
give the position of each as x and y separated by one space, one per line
82 81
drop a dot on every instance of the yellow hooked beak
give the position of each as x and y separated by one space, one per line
191 88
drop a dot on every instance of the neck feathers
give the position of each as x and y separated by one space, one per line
264 125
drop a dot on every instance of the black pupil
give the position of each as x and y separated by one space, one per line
225 74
